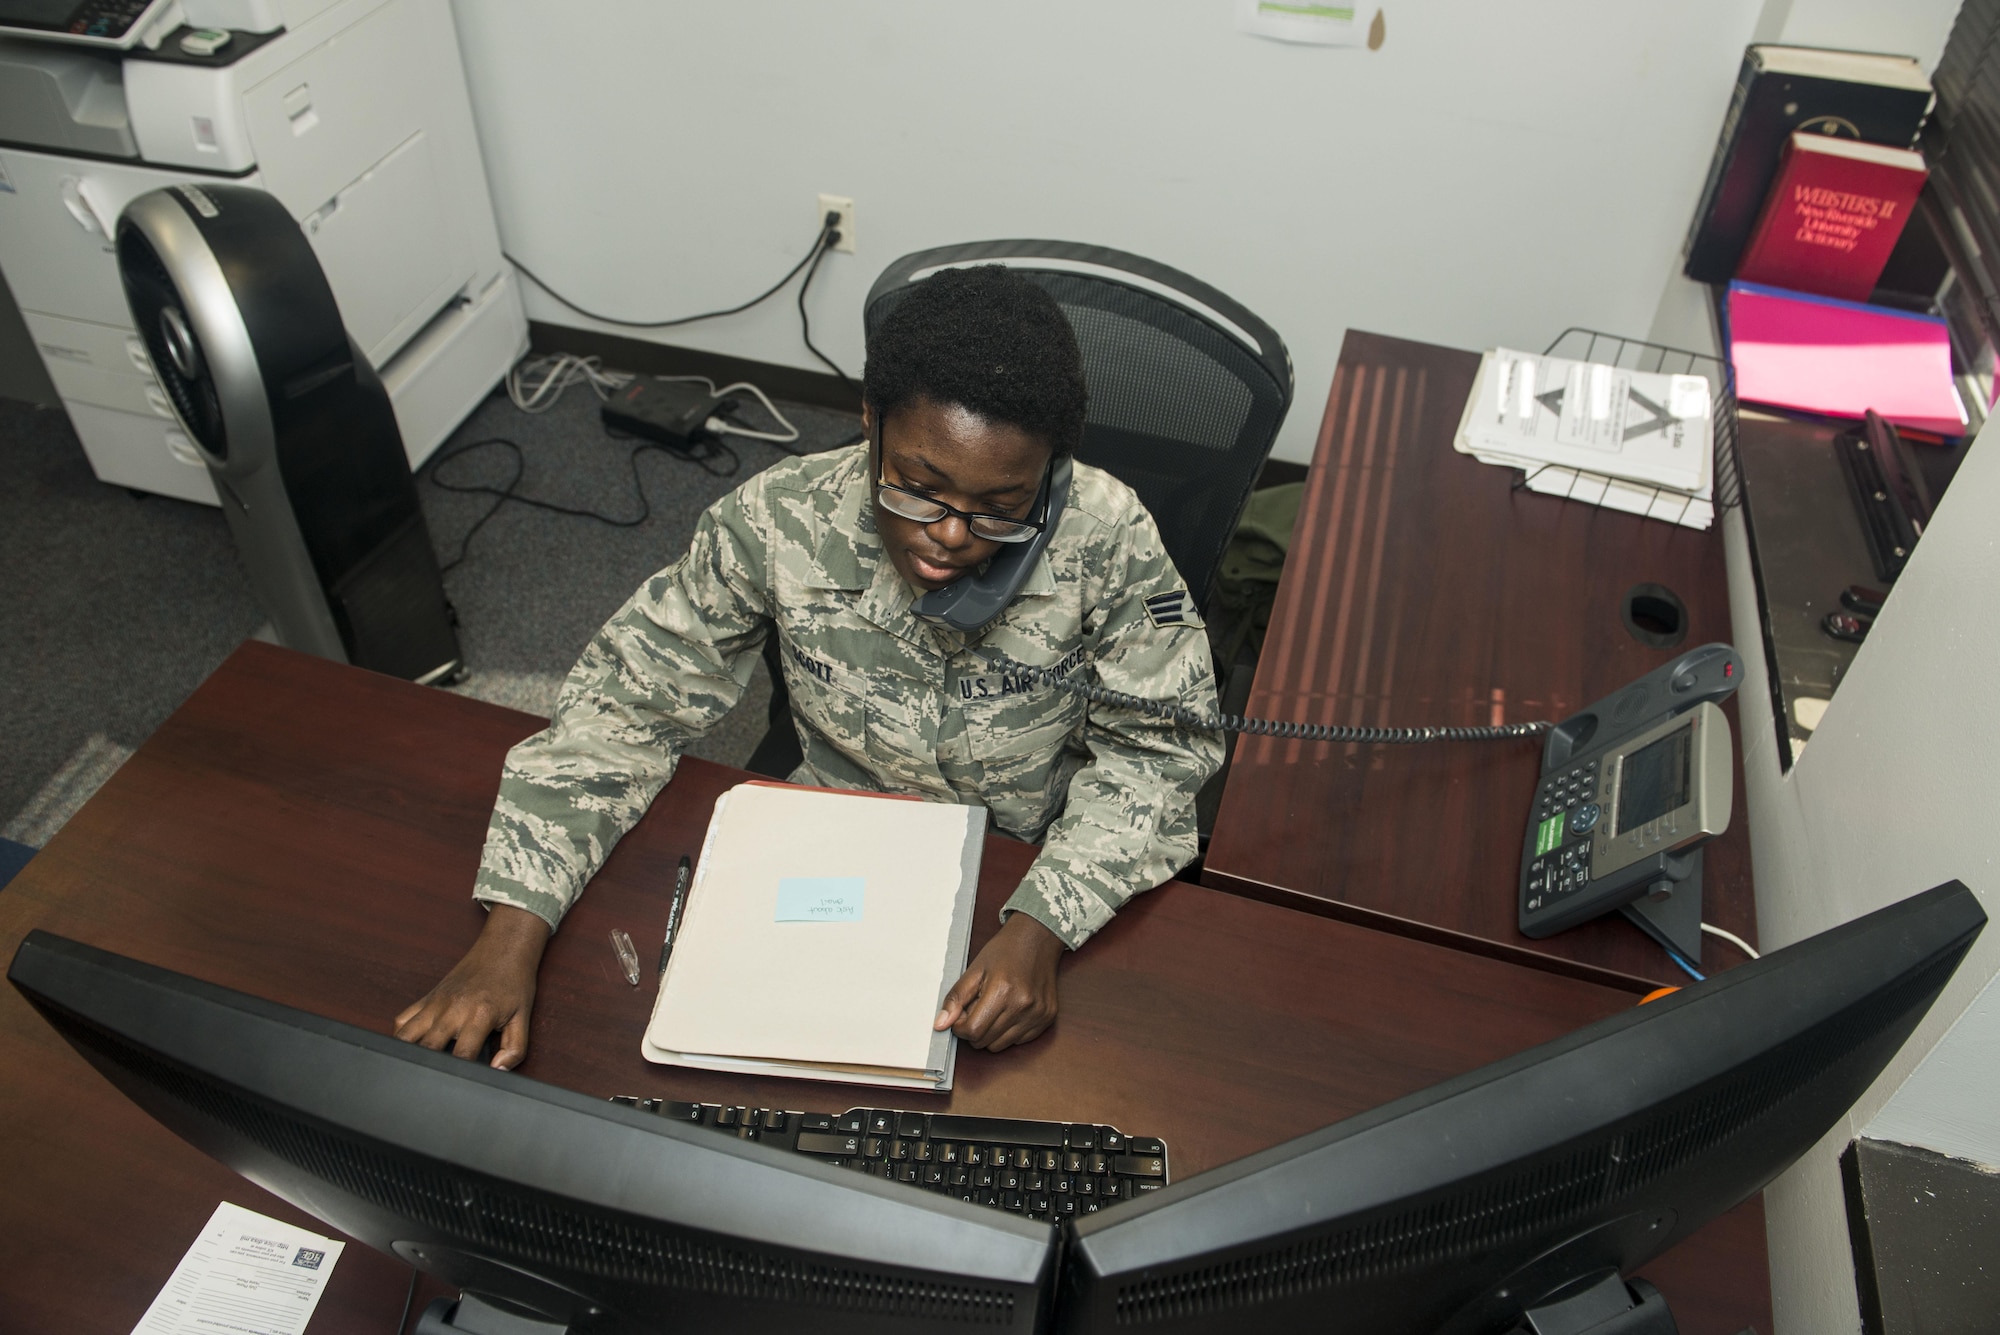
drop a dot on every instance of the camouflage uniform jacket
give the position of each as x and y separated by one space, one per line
884 701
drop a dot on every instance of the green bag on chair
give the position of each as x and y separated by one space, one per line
1246 586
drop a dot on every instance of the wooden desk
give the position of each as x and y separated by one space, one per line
1421 588
308 833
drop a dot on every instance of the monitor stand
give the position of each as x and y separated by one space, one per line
1610 1306
1670 911
467 1315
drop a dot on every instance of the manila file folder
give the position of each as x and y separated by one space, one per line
820 936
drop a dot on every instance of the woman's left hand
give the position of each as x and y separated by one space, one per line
1008 994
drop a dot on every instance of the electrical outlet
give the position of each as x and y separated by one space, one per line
845 208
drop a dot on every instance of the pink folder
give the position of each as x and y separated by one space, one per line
1841 358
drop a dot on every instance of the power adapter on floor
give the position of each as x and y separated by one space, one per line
674 413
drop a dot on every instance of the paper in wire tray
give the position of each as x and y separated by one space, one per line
1636 440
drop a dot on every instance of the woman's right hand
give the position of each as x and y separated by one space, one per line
493 987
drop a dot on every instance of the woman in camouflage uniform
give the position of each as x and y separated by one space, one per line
973 389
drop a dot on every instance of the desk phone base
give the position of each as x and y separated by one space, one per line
1630 788
1044 1170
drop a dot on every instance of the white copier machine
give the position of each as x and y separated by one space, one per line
353 113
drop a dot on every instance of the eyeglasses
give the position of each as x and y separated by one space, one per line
994 528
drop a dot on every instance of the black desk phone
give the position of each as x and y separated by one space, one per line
1630 789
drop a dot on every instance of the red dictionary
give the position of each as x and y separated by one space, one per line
1832 217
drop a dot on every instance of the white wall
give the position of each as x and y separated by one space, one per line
1894 793
1493 174
1951 1102
1902 27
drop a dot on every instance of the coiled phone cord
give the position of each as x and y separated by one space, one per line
1264 727
1314 732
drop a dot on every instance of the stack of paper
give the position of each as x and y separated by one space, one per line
1638 441
820 936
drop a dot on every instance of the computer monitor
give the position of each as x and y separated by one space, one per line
1536 1181
533 1199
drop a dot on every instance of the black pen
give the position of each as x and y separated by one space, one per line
674 914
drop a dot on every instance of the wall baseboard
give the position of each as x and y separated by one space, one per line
637 354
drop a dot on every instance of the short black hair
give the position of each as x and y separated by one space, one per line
988 340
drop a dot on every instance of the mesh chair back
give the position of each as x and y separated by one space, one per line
1187 388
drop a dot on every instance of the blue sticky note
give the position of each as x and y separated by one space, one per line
819 899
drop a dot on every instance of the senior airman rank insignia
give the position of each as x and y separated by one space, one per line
1168 609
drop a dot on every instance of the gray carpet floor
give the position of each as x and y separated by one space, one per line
114 607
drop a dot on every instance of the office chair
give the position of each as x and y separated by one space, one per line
1187 391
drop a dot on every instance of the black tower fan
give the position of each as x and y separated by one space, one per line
294 425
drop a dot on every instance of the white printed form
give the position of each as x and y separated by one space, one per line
1540 411
246 1274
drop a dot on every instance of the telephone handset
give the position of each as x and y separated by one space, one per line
971 604
1630 788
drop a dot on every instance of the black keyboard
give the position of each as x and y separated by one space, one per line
1045 1170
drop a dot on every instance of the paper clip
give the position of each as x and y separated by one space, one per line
628 955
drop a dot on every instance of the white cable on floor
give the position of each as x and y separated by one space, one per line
728 428
536 383
1732 939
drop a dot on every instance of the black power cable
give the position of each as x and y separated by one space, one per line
503 494
805 323
829 236
829 232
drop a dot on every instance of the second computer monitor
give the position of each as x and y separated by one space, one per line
1537 1180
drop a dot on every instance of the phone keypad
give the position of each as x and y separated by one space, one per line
1565 868
1558 874
1566 790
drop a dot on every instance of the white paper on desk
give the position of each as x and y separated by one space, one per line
247 1274
1305 22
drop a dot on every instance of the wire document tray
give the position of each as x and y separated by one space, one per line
1587 345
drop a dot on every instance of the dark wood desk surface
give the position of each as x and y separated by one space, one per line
308 833
1422 589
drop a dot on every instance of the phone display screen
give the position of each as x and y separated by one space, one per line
1656 779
